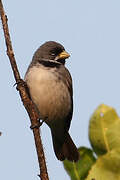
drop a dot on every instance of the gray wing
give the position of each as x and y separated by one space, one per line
68 82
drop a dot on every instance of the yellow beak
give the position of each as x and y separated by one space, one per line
63 55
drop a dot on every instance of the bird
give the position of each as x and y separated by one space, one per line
50 88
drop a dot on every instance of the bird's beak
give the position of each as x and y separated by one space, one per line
62 55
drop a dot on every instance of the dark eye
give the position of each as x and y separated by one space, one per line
53 54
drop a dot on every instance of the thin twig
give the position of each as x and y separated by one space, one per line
21 87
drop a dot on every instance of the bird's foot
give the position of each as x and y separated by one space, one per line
40 122
19 83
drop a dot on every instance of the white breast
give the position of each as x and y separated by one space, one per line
50 95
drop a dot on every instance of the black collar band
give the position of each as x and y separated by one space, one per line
49 63
61 61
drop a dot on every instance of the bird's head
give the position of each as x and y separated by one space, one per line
51 51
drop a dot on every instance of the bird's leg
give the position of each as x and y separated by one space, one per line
40 122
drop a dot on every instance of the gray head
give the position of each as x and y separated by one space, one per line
51 51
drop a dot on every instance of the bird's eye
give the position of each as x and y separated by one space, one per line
53 54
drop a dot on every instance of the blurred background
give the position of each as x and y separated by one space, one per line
90 32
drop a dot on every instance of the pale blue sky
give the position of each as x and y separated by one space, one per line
90 32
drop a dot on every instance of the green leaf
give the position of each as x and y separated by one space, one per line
79 170
104 130
107 167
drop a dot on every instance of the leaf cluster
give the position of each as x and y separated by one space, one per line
102 162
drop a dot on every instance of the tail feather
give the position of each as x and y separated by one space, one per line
66 150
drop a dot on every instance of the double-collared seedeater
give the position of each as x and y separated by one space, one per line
50 88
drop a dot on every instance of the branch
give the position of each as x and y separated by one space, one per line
21 87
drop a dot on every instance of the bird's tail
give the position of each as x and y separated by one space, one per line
65 150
